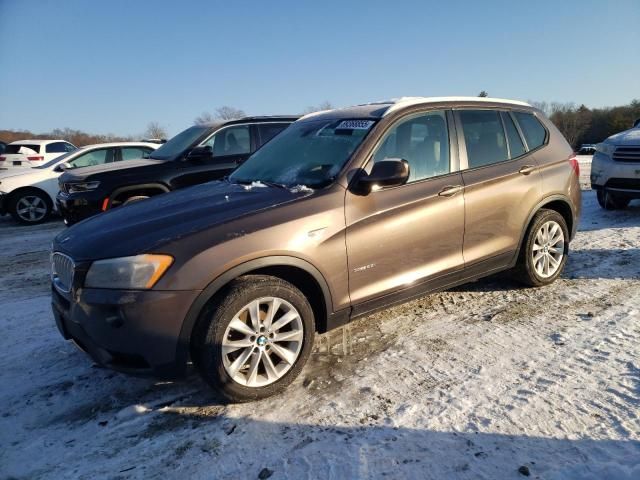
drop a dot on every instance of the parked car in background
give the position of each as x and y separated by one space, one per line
344 213
199 154
32 153
29 194
587 149
615 169
3 146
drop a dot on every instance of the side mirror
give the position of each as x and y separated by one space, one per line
61 167
386 173
201 152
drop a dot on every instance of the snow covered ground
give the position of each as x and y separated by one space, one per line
475 383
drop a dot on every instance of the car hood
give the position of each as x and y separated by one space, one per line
24 176
149 225
628 137
81 174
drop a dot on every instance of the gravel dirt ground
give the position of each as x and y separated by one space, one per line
489 380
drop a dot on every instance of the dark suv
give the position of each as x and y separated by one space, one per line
346 212
197 155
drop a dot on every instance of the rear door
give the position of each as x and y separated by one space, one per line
502 185
231 145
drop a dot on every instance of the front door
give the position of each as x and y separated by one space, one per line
402 236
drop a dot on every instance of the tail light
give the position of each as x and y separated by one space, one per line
2 159
36 159
573 161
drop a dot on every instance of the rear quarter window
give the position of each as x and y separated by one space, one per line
534 133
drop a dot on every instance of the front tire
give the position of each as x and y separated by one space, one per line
254 338
30 207
611 201
544 252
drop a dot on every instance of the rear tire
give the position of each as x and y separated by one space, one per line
243 360
543 254
611 201
30 206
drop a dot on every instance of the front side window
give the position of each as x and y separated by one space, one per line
484 137
534 132
231 141
177 145
94 157
421 140
310 153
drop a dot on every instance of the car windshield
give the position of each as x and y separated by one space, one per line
178 144
309 153
59 159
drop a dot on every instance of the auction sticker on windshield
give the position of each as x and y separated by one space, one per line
355 125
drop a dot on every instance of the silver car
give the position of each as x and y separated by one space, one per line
615 169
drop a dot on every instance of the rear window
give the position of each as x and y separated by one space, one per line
534 132
15 149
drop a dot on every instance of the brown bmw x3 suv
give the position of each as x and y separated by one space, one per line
346 212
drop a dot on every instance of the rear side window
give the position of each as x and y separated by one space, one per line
58 147
534 132
270 130
24 149
484 137
516 147
134 153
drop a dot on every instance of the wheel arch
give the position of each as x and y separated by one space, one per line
557 203
160 187
300 273
12 195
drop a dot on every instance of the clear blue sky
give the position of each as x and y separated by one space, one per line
115 65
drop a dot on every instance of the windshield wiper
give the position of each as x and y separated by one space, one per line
263 182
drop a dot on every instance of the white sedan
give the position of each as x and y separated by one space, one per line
28 194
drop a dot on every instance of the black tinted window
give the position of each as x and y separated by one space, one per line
423 141
534 132
24 149
270 130
484 137
58 147
516 147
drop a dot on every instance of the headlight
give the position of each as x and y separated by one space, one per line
605 148
82 186
139 272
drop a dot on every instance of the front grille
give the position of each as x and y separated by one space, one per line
62 270
64 187
627 154
624 183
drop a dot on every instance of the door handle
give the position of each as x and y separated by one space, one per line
527 169
450 190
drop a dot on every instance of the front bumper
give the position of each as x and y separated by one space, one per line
136 332
74 208
622 178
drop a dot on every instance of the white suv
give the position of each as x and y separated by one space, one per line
32 153
29 194
615 169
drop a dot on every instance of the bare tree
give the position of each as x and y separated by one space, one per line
203 118
543 106
155 130
483 94
326 105
229 113
570 120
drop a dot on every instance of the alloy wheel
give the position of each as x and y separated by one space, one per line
548 249
31 208
262 342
